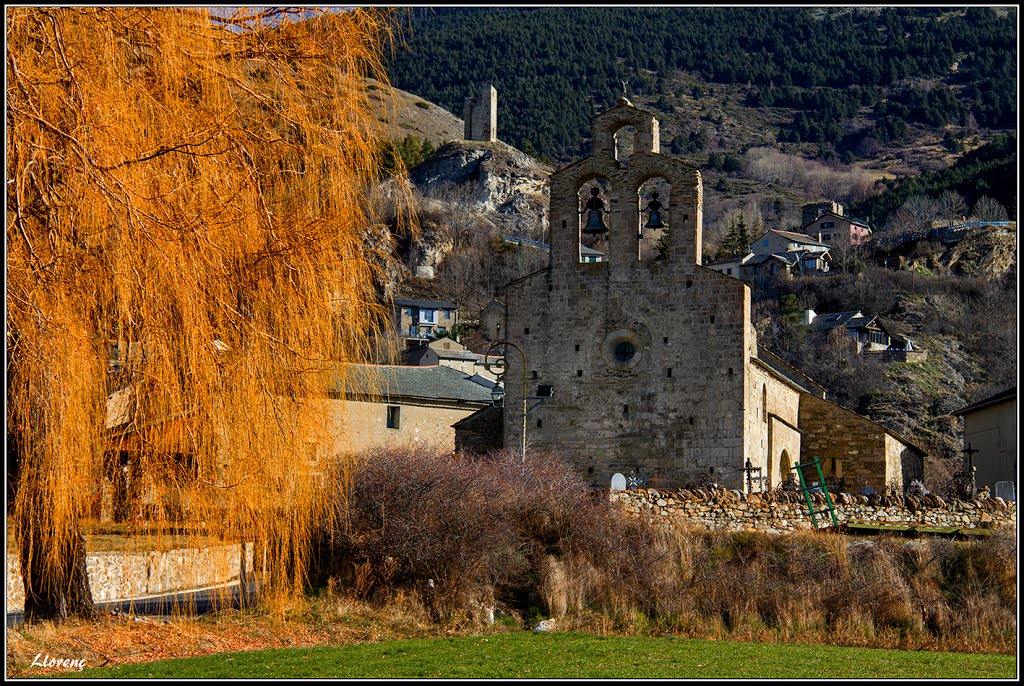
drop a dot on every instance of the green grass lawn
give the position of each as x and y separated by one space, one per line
571 655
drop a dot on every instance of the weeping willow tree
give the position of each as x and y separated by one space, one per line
191 189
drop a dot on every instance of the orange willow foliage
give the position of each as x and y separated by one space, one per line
194 186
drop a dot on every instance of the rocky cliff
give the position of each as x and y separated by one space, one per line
489 177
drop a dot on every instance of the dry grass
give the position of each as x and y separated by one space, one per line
327 620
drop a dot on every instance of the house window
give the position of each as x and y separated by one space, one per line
827 225
414 331
624 351
765 242
428 316
393 416
729 271
826 237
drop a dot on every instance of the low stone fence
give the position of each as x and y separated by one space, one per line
782 511
910 356
123 576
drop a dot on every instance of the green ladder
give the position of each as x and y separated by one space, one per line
806 490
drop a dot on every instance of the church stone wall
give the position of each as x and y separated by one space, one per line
676 411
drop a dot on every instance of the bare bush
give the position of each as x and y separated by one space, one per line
812 177
458 531
461 533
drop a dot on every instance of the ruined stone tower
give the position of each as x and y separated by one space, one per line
652 359
481 116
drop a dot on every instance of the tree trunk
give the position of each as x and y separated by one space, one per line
55 593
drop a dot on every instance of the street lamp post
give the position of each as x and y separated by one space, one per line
525 409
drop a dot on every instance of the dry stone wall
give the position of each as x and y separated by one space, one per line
120 576
780 512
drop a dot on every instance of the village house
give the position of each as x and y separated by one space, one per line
827 223
392 406
446 353
378 406
776 241
420 320
654 361
777 255
870 335
990 432
868 332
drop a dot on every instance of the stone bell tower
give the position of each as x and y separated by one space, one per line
480 114
647 357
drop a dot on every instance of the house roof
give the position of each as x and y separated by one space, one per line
434 383
852 220
457 354
787 258
852 319
429 304
1001 396
793 236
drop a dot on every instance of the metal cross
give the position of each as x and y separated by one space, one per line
970 456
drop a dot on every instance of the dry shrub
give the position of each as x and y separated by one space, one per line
463 532
540 541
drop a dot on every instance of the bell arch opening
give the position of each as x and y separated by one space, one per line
625 142
653 225
594 213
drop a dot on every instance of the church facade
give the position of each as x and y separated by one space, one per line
652 358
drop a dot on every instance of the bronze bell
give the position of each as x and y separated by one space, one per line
595 223
654 207
595 214
655 221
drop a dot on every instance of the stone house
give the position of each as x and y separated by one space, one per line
379 406
857 450
760 269
420 320
392 406
654 361
446 353
827 223
990 428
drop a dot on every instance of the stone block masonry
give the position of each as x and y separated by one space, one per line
781 512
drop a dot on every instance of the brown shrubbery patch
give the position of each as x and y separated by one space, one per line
464 535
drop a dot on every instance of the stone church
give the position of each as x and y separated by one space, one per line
652 359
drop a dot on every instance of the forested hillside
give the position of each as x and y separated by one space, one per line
989 170
849 75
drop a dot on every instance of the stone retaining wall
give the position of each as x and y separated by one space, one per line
787 511
121 576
